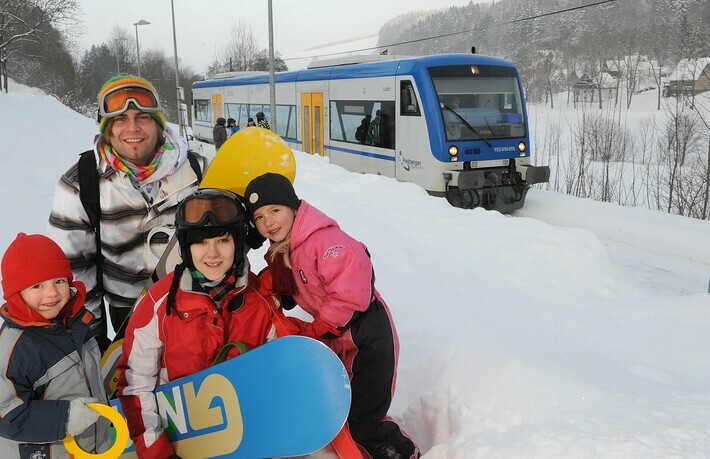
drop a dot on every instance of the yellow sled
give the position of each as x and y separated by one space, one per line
249 153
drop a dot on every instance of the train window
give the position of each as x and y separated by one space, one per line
306 128
408 105
365 122
252 110
317 129
381 131
286 121
508 101
202 110
338 130
486 104
232 111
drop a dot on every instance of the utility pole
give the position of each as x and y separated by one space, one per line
178 89
1 66
272 77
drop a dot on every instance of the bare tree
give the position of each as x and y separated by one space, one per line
659 36
678 141
568 62
546 72
24 20
123 47
159 69
632 76
701 102
593 57
525 62
240 49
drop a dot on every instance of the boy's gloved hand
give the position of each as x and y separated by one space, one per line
80 415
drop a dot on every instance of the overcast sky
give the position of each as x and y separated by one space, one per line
201 25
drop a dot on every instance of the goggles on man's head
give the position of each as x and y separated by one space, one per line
117 100
210 208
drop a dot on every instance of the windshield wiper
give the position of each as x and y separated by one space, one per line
473 129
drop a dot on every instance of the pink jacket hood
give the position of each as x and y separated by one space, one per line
308 221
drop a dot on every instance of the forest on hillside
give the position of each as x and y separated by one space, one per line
38 48
553 40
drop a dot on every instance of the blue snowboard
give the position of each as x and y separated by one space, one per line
289 397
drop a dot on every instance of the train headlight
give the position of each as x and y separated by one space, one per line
521 148
453 150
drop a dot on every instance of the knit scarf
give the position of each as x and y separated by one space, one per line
136 172
218 289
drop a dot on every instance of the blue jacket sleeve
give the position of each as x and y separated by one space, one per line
25 419
39 421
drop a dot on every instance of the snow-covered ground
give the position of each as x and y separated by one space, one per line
573 329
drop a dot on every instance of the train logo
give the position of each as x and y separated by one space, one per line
408 164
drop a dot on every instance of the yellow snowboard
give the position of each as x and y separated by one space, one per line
249 153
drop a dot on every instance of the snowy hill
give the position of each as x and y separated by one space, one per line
41 138
519 338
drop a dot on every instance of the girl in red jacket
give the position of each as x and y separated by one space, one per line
330 275
179 326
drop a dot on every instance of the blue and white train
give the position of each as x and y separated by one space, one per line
455 124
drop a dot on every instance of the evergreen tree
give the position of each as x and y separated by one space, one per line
261 62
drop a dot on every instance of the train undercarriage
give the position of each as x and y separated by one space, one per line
496 188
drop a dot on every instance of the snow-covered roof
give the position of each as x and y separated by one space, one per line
353 59
238 73
689 69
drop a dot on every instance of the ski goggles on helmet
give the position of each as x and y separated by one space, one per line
210 208
118 99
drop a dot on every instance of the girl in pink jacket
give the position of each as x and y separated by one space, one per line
330 275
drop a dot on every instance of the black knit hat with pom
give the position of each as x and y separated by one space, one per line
270 189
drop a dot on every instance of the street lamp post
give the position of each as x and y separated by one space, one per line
138 50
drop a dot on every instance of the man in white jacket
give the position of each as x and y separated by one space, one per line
143 173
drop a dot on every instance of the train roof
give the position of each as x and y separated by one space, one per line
398 65
355 59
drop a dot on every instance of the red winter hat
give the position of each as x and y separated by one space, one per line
30 260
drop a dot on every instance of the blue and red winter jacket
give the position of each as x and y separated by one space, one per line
46 364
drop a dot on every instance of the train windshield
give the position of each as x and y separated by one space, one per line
479 102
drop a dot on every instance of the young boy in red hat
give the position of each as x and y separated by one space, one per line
50 361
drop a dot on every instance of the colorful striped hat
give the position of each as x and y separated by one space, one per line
129 80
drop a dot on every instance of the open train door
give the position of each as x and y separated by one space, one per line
312 122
